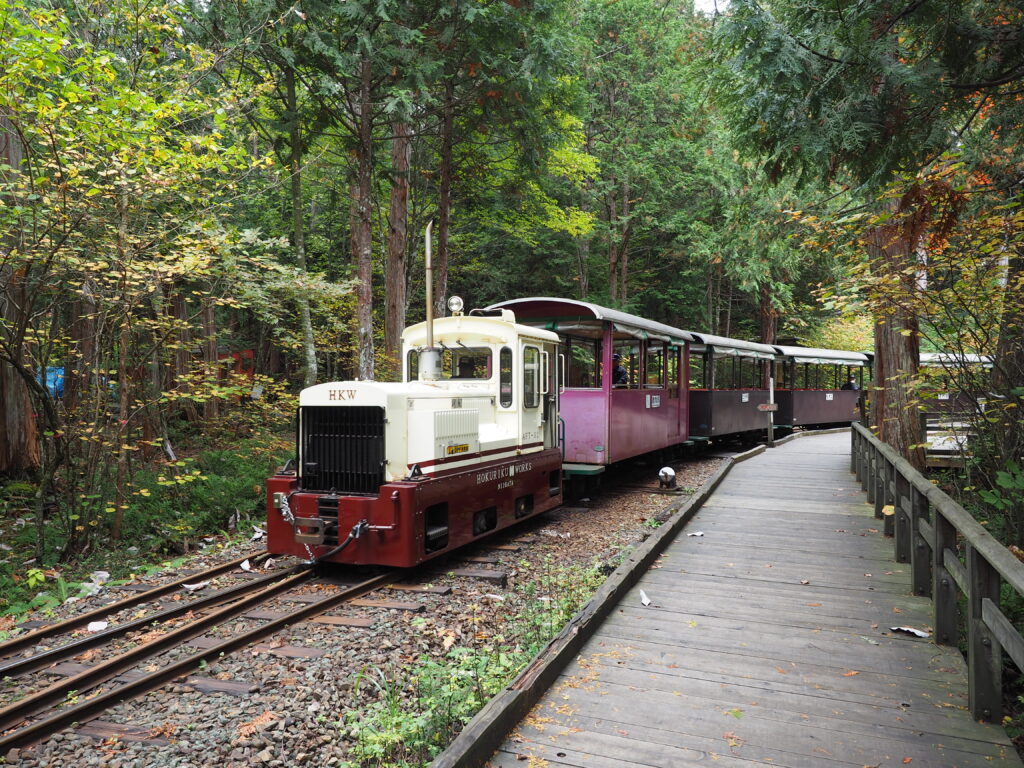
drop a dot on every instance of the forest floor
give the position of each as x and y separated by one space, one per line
393 694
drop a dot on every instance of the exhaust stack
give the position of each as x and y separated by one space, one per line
430 358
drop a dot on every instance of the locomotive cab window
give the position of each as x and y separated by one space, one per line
412 365
467 363
531 377
505 377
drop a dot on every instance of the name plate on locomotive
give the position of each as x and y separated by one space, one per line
452 450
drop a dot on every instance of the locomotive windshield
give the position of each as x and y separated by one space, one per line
462 363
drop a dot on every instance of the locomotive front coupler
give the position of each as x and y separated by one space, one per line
357 530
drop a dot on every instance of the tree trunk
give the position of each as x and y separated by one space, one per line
19 445
444 199
123 364
398 238
894 411
299 230
768 314
611 211
623 245
211 405
362 227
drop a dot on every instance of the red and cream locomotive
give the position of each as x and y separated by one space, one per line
398 473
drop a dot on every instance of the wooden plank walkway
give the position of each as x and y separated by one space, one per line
767 641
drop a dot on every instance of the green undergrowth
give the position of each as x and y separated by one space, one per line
210 498
419 709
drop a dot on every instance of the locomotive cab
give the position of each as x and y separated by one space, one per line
394 473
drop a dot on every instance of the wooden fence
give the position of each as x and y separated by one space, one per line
950 555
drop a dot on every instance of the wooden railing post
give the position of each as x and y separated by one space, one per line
881 483
853 450
866 450
903 530
920 560
984 654
870 481
943 586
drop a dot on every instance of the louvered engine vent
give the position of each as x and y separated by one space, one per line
341 448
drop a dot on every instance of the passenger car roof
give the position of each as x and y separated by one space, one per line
561 313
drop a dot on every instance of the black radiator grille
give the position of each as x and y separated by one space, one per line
341 448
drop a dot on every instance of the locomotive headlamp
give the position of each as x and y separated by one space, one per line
455 305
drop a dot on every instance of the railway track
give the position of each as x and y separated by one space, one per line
136 660
139 655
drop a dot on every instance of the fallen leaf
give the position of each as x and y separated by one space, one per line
257 724
851 673
804 581
89 655
814 605
907 760
167 729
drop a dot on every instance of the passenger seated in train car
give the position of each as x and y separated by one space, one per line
620 376
851 383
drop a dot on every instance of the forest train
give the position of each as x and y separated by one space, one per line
497 410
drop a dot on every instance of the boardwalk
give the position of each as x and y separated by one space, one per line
767 641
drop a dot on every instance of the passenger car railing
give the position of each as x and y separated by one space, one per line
950 554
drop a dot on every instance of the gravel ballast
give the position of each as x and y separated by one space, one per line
291 710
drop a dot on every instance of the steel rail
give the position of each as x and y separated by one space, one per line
39 700
86 710
24 641
22 666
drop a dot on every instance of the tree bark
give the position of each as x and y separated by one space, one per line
769 315
298 229
894 411
611 211
19 444
123 364
211 405
623 245
362 227
398 239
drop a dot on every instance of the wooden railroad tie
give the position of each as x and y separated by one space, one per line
495 577
200 683
435 589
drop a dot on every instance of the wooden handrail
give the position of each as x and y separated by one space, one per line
931 531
